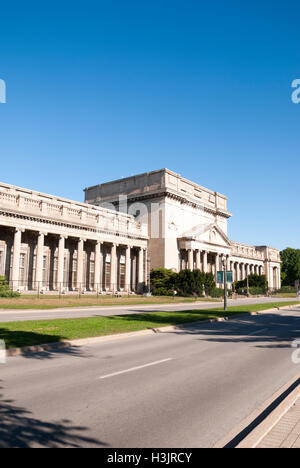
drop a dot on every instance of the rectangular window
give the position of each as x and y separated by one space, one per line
107 276
1 263
122 276
74 273
92 272
22 270
45 270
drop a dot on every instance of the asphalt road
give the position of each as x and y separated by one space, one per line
175 389
17 315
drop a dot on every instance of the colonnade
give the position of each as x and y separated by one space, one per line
114 267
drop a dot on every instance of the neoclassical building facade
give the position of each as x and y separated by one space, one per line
50 243
187 225
109 243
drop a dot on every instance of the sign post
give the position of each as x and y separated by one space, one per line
224 277
225 287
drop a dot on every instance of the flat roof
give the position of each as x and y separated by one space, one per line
165 170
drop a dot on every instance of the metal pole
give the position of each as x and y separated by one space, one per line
149 275
225 287
247 284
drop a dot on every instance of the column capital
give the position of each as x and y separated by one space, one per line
19 229
42 233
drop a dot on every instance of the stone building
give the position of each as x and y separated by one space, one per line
107 243
50 243
187 225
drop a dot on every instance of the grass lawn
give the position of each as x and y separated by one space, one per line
286 295
18 334
54 302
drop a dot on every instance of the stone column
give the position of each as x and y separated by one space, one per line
205 261
113 268
80 247
61 258
128 268
39 260
16 258
141 270
190 259
198 259
243 274
278 278
97 272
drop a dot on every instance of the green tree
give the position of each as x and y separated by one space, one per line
290 268
162 281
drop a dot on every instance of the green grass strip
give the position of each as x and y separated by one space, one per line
19 334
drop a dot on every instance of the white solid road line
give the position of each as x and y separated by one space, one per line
257 332
135 368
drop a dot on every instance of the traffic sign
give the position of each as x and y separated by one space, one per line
229 277
220 277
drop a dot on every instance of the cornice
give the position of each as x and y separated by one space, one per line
182 200
53 222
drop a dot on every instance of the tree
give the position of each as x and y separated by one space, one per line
290 268
162 281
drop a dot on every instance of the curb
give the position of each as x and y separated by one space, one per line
258 434
12 352
274 412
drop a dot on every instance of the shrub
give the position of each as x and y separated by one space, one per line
162 292
5 290
287 289
186 283
162 278
255 281
255 291
217 292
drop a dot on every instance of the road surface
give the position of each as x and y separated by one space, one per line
175 389
17 315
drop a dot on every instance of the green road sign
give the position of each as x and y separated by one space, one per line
220 277
229 276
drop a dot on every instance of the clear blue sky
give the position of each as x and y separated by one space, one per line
98 90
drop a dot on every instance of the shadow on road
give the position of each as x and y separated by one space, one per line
273 330
21 338
264 331
19 429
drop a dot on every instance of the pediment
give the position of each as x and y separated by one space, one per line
208 233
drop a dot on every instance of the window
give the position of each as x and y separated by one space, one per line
122 272
74 272
1 262
92 272
107 271
22 276
45 270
